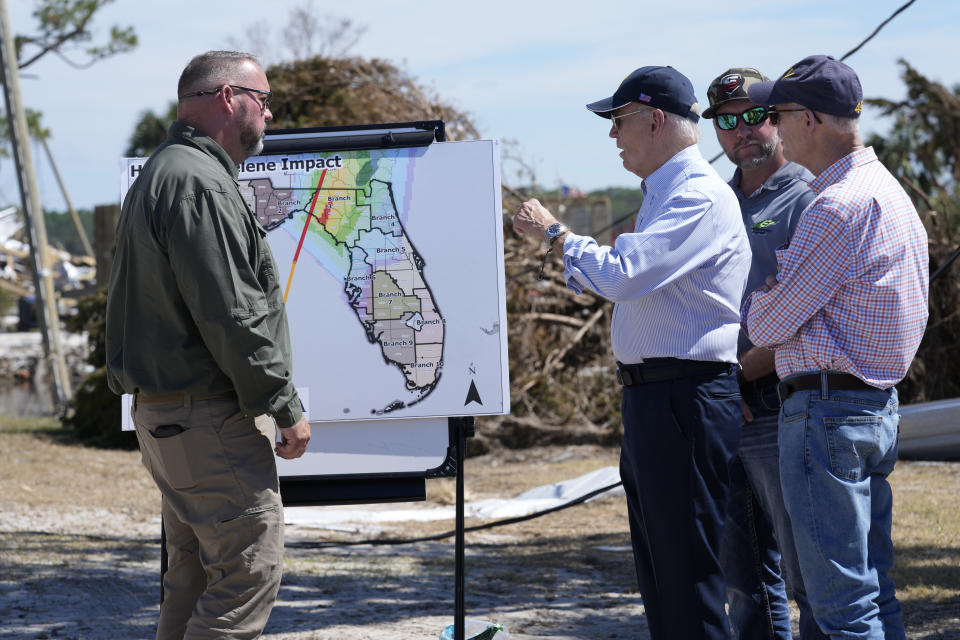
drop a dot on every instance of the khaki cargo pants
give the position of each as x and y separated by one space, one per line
222 515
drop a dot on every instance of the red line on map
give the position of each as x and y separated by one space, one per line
303 234
313 205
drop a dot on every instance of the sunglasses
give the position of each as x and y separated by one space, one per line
750 117
775 114
613 118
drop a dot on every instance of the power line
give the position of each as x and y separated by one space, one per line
854 50
877 30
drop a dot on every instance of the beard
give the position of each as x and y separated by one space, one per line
757 158
251 136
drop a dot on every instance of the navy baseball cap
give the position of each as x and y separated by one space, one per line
816 82
658 87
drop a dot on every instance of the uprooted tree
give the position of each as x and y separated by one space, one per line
326 92
346 91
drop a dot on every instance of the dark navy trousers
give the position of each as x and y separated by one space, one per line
679 436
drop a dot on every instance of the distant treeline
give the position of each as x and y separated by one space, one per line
623 201
62 234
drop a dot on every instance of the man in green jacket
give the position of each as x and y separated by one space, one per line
196 330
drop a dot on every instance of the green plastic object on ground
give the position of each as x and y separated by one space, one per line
478 630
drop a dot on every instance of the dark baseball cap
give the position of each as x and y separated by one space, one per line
817 82
659 87
731 85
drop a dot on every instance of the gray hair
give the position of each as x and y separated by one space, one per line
682 127
211 69
685 128
841 124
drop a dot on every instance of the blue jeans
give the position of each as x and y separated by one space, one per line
836 451
757 536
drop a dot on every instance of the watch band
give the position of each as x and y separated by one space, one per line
554 231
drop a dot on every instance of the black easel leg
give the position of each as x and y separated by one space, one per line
163 556
459 613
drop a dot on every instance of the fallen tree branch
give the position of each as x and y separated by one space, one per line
553 317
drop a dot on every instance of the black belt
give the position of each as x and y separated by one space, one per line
813 382
660 369
762 382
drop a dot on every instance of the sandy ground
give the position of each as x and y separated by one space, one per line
79 556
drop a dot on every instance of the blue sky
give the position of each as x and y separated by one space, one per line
523 73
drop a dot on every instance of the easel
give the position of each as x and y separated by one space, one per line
464 428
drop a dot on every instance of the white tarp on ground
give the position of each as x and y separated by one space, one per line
536 499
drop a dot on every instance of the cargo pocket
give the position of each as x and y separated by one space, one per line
171 442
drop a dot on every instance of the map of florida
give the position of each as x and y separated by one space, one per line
355 232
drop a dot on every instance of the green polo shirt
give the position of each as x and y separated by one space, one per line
194 305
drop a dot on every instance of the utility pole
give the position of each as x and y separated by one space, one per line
77 224
46 300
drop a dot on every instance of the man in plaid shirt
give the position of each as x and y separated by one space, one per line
845 313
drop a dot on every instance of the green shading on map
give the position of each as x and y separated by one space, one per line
342 209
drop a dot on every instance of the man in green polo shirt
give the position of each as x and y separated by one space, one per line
196 330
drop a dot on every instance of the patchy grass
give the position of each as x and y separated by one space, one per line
45 467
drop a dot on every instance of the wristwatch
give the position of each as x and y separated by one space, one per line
554 231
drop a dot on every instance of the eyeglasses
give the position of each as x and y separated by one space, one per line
775 114
751 117
264 104
613 119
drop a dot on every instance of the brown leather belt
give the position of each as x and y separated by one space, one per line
168 398
814 382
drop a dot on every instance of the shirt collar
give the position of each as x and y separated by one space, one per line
182 133
672 172
782 177
839 169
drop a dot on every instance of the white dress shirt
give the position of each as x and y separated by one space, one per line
678 279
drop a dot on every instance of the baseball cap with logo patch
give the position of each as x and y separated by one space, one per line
658 87
820 83
731 85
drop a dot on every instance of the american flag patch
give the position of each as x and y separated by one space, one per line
643 97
